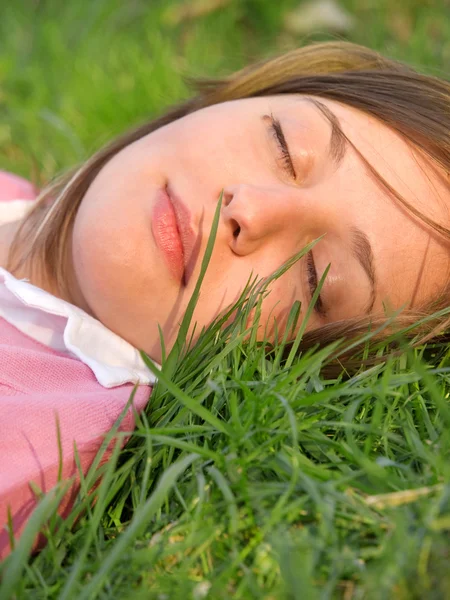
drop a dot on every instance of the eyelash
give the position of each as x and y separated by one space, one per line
288 165
313 282
286 159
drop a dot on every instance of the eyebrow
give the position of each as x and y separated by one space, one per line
360 244
362 251
338 141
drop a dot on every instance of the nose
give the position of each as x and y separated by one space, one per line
252 214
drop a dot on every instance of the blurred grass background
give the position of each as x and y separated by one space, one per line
74 74
309 488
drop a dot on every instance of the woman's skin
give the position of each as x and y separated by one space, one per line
380 256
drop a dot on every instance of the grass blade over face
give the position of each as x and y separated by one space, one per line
181 340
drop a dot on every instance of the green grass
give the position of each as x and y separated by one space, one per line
247 477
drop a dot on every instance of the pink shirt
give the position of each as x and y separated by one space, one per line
42 388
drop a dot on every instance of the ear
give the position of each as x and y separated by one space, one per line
13 187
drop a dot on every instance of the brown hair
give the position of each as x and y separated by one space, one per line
415 105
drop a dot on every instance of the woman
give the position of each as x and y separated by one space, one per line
331 141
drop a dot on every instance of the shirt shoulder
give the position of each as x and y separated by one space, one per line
68 330
13 210
12 187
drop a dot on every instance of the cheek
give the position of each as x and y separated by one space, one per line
223 288
106 251
93 274
278 304
222 154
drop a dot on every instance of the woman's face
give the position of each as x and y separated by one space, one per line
287 179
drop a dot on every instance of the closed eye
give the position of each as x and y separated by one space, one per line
285 156
313 283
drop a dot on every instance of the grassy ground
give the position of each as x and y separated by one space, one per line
248 477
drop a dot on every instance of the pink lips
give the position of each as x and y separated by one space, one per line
173 234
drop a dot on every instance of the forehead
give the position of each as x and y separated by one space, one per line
412 259
408 170
396 159
418 257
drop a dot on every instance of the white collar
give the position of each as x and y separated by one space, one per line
65 327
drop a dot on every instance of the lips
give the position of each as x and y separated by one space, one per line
173 234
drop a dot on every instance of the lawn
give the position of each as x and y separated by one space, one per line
252 474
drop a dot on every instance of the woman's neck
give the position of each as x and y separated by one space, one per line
36 273
7 234
26 269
